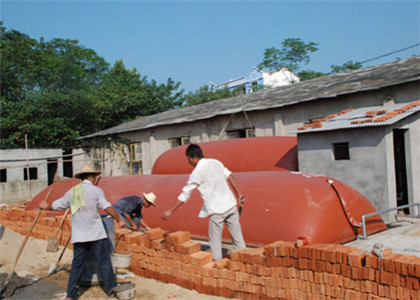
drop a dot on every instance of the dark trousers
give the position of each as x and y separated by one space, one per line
100 252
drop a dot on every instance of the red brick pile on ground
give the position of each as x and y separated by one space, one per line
280 270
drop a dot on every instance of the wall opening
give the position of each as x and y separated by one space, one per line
341 151
33 173
400 167
67 163
52 169
3 175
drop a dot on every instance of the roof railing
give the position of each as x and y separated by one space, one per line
364 217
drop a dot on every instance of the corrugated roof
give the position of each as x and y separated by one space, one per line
331 86
362 117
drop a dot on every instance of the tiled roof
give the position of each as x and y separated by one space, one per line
332 86
362 117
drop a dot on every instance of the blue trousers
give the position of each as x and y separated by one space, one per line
135 220
100 251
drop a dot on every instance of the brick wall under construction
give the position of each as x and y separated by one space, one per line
280 270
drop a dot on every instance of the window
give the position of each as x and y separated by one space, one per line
242 133
3 175
175 142
33 173
341 151
135 163
254 86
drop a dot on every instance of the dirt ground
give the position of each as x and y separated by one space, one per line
33 281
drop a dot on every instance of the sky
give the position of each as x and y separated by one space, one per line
202 41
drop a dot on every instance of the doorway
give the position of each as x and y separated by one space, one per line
400 167
52 169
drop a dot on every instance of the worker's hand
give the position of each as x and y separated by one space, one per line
166 215
241 200
147 228
44 205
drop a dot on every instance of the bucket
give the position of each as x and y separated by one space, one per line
125 291
120 260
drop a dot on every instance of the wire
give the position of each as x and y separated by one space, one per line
393 52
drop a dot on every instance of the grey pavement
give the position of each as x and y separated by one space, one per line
403 236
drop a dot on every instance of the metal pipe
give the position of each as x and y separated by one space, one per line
363 237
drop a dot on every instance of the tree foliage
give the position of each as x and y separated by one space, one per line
205 94
290 56
346 67
57 91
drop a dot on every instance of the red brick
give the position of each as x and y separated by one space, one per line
371 261
154 234
157 244
132 237
178 237
357 258
120 232
389 263
188 247
201 258
415 261
223 263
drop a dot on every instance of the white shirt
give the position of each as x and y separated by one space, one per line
209 177
86 223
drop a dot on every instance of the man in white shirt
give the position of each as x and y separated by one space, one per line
88 234
219 204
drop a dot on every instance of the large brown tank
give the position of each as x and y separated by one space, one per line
271 153
279 205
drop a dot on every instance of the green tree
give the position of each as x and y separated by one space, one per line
206 93
57 91
293 53
124 95
309 74
346 67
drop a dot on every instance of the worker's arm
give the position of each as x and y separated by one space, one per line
132 226
167 214
143 223
234 185
111 211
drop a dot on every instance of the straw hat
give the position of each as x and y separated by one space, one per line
87 169
150 197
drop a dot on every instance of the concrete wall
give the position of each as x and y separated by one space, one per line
16 189
370 169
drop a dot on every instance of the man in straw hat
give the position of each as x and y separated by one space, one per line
130 209
88 234
211 179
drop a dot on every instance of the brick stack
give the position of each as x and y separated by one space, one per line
280 270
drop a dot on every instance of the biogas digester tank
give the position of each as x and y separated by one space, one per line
279 206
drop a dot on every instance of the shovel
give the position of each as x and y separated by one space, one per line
23 245
52 245
54 267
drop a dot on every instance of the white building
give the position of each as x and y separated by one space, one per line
257 79
26 172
